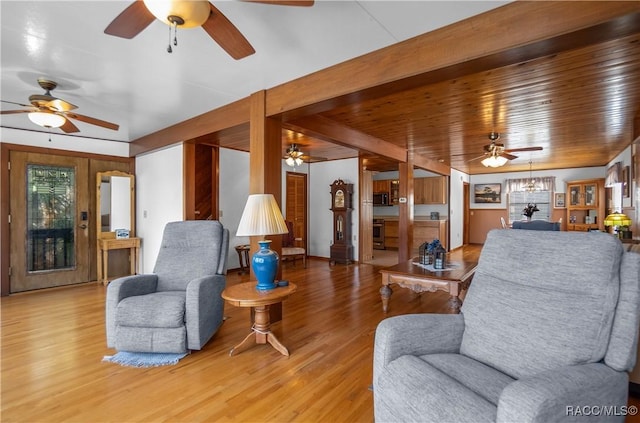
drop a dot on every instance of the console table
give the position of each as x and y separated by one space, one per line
106 244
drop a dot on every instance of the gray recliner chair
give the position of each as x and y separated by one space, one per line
547 332
179 306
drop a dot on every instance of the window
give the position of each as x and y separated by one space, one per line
518 197
518 200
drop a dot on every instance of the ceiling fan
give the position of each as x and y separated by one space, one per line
294 157
51 112
495 155
189 14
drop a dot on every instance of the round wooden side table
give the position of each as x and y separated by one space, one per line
246 295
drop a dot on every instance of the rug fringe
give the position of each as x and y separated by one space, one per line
142 360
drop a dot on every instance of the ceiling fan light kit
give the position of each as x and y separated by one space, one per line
294 156
186 14
47 120
494 161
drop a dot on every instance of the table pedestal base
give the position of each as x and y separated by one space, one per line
261 332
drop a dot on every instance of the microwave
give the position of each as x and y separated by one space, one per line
380 199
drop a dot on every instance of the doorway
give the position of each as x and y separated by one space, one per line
296 206
49 215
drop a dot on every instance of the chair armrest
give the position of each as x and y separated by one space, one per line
204 309
564 393
416 334
120 289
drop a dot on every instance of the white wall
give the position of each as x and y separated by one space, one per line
321 176
562 176
625 158
159 198
456 207
232 196
64 142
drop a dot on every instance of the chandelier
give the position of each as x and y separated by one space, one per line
294 156
531 186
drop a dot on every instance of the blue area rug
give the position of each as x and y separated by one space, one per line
136 359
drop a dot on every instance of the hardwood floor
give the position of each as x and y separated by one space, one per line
53 342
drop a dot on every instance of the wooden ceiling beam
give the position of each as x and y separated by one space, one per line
496 38
228 116
320 127
431 165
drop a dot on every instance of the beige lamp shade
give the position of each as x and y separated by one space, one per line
617 219
261 216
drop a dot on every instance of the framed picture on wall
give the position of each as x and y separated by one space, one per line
625 182
487 193
558 200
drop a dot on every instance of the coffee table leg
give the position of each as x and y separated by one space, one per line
385 294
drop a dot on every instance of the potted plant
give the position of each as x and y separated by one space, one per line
529 210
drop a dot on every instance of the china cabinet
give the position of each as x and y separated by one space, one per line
585 205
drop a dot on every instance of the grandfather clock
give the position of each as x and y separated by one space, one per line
341 205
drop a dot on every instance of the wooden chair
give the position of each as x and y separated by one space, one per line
291 247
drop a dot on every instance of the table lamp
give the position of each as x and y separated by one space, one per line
616 220
262 216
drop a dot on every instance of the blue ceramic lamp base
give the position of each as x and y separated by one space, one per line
265 265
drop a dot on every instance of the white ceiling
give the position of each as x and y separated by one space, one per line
138 85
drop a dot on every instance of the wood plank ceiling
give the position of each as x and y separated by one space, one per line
578 100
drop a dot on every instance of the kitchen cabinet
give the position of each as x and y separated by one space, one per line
381 185
585 205
430 190
423 230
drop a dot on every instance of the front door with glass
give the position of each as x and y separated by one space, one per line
49 221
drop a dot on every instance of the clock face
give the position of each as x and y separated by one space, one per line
338 201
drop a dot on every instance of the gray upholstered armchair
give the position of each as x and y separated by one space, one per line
179 306
547 331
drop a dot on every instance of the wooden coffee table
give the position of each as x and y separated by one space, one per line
418 279
246 295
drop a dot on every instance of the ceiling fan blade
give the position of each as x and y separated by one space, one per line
52 103
131 21
227 35
513 150
305 3
92 121
17 104
477 158
69 127
507 155
11 112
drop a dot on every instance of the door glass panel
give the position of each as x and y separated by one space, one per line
50 218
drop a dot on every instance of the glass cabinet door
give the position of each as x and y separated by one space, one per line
574 195
590 191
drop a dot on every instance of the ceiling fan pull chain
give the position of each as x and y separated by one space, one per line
169 49
175 33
